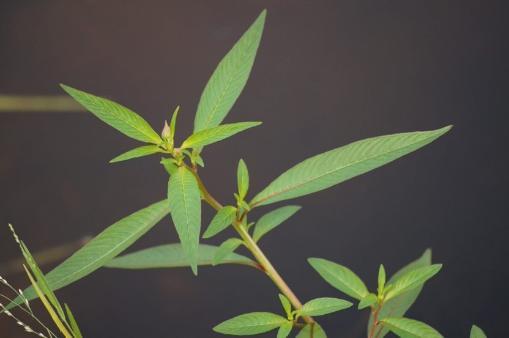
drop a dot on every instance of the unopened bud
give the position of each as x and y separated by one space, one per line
166 133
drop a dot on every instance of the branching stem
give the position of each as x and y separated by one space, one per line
255 250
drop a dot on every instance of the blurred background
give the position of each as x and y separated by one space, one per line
327 73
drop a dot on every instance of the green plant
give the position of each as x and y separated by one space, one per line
187 191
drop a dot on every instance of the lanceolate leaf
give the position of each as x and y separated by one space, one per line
185 204
323 306
287 306
242 179
173 256
137 152
410 328
225 249
272 219
224 217
119 117
476 332
338 165
251 324
314 331
367 301
229 78
398 306
284 330
411 280
108 244
340 277
216 134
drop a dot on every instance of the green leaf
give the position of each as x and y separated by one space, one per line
323 306
398 306
185 204
272 219
216 134
173 256
229 78
242 179
287 306
173 122
367 301
285 330
169 165
477 332
410 328
340 164
108 244
250 324
224 217
119 117
314 331
73 323
137 152
411 280
225 249
340 277
381 279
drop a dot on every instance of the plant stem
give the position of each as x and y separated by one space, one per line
374 325
251 245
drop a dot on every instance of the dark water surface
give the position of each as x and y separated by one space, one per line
327 73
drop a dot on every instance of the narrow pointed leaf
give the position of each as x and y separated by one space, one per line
314 331
229 78
367 301
224 217
73 323
185 204
117 116
137 152
272 219
173 256
340 277
477 332
340 164
381 279
411 280
108 244
285 330
398 306
287 306
216 134
250 324
410 328
225 249
242 179
323 306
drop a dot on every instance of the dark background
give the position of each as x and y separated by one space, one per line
327 73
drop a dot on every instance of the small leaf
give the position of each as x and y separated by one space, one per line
340 277
287 306
108 244
285 330
477 332
173 256
367 301
323 306
272 219
242 179
381 279
410 328
312 330
398 306
411 280
225 249
185 205
173 122
216 134
169 165
137 152
224 217
119 117
229 78
251 324
73 323
338 165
